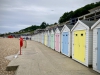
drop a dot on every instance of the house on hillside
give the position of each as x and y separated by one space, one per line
93 15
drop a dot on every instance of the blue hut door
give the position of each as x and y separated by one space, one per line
63 36
98 51
62 43
65 43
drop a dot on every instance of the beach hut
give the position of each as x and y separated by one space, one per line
66 38
96 46
39 37
82 38
52 38
48 37
32 37
42 37
57 38
45 38
35 37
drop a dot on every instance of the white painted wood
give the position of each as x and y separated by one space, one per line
57 30
96 24
95 29
90 46
66 29
70 44
89 34
79 27
52 32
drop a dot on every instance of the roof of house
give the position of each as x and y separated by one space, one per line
96 23
54 28
60 27
70 26
88 23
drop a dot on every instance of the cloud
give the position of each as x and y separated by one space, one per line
18 14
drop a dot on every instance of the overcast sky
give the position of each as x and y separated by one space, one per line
19 14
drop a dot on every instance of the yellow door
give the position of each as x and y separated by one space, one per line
79 45
82 38
76 45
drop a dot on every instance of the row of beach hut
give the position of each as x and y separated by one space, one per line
80 41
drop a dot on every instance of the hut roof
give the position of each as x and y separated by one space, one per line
60 27
88 23
70 26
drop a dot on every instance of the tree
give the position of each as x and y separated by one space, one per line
43 25
79 12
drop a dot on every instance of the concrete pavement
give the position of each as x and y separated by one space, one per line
38 59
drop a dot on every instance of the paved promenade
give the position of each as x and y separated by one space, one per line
38 59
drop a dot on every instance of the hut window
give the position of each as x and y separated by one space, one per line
81 34
76 35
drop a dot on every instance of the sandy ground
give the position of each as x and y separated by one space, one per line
8 46
41 60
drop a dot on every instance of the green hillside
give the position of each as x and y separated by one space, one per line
79 12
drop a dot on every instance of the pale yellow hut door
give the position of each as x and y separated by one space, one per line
79 45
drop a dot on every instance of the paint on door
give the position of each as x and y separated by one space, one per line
98 51
79 45
48 40
62 43
45 39
65 43
52 41
57 42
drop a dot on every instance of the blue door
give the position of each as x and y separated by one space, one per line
62 43
65 43
98 51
